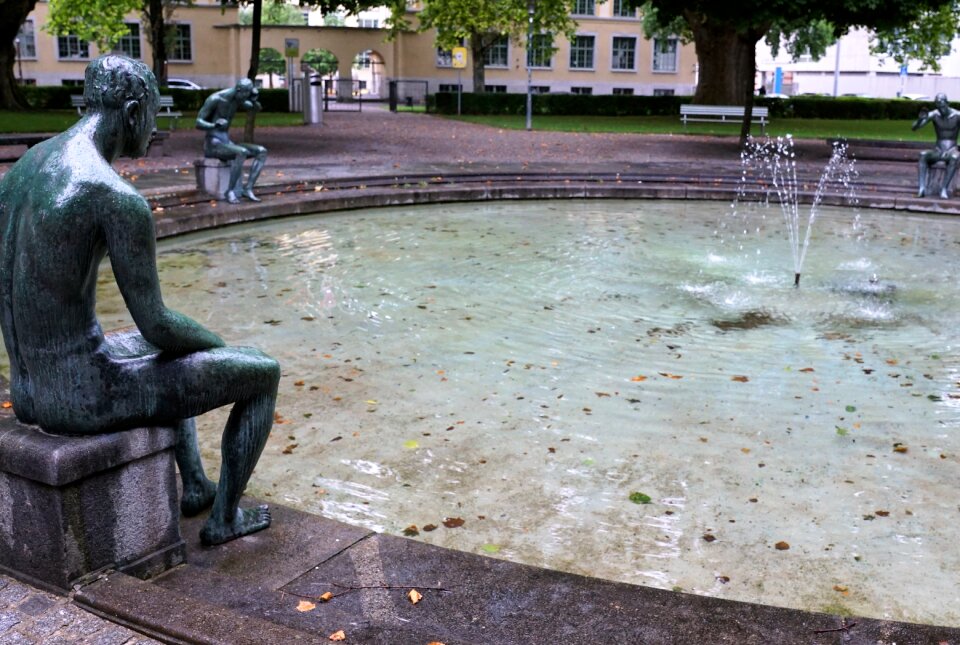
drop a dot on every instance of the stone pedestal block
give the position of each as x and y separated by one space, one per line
213 176
73 505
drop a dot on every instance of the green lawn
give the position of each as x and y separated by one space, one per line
800 128
59 120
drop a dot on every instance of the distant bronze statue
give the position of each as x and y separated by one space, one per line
215 117
946 124
62 208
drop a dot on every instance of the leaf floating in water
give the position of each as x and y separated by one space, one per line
891 361
289 449
307 318
739 379
851 408
882 513
453 522
414 596
299 384
899 447
305 605
668 375
781 546
272 322
326 597
338 635
842 431
411 445
723 579
490 548
411 531
602 394
638 379
934 397
709 537
640 498
842 589
429 527
807 369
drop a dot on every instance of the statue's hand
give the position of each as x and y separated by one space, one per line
221 123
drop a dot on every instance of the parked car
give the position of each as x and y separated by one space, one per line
182 84
916 97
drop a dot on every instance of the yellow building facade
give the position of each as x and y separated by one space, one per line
608 55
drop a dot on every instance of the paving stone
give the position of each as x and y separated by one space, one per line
8 620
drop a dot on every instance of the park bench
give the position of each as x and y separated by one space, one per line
722 114
21 139
166 108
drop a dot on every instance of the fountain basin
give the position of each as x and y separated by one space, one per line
527 368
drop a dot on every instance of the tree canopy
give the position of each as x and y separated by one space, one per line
275 13
926 39
480 24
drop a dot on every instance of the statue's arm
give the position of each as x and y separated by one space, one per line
131 243
205 117
922 120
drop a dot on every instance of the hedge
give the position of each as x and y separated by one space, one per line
57 97
804 107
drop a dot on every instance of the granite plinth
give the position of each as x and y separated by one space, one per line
74 505
213 176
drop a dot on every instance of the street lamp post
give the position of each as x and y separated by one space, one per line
16 42
530 8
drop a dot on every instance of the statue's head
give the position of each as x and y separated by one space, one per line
940 100
244 89
125 91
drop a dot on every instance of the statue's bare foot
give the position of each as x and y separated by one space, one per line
232 197
198 498
944 194
245 522
248 193
921 192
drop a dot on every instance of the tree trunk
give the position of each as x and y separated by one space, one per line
251 123
157 37
477 51
14 13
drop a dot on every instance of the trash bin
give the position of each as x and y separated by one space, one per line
312 99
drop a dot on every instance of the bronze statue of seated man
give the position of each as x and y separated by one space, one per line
214 118
946 124
62 208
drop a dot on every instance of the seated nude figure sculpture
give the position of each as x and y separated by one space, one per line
215 117
62 208
946 124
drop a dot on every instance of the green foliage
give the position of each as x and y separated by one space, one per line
100 21
558 104
927 39
271 61
274 13
321 61
809 39
640 498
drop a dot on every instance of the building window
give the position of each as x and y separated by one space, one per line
496 54
447 87
72 82
624 52
495 89
621 9
665 54
181 47
540 53
72 47
368 23
362 60
129 44
27 40
663 92
581 52
583 7
444 58
623 91
539 89
581 90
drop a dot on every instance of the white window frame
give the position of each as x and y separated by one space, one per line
503 41
177 25
127 36
613 53
593 54
655 56
575 7
69 38
22 34
549 47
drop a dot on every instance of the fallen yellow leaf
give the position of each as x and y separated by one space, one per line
326 597
7 405
305 605
414 596
637 379
338 636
